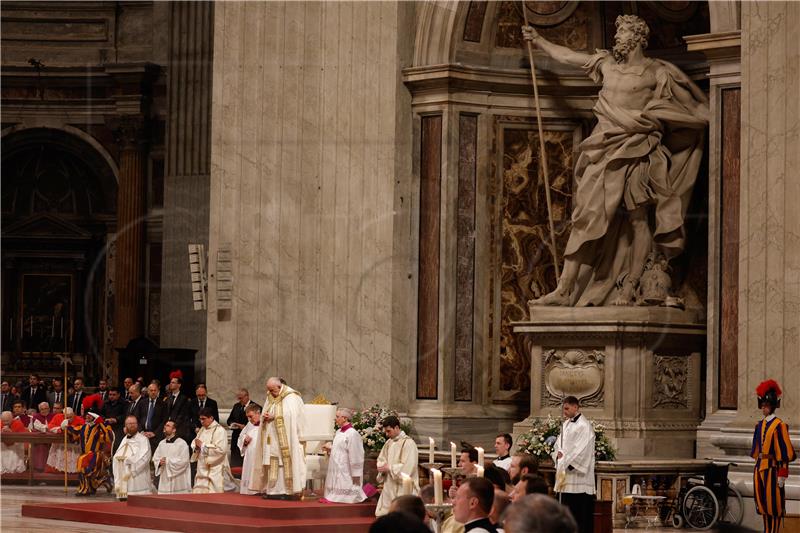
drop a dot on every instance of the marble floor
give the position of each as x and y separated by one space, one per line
12 497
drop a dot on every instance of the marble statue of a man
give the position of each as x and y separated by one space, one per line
635 172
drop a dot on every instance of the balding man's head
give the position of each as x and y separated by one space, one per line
7 417
274 386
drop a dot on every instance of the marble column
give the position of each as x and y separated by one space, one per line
128 298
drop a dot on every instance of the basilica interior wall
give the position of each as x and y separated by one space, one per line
310 200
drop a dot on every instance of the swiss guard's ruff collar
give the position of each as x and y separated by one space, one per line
769 392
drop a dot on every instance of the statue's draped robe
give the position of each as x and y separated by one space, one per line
248 452
279 446
346 462
131 466
175 476
631 159
400 455
212 460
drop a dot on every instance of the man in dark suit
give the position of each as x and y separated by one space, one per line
57 394
114 412
126 387
202 400
134 405
236 421
102 389
154 414
178 408
6 398
76 399
35 393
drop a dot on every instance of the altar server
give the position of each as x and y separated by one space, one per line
343 482
398 457
574 458
210 451
247 442
132 462
280 461
772 449
171 461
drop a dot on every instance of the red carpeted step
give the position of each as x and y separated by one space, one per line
252 506
121 514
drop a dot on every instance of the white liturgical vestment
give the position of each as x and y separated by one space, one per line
279 445
212 459
131 466
175 476
576 442
400 455
12 458
346 463
248 451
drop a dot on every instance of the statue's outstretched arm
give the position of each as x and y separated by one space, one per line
562 54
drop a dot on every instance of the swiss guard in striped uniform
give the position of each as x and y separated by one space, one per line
772 451
96 439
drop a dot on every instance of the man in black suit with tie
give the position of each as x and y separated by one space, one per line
178 408
57 394
114 412
102 389
135 403
76 399
6 398
154 415
202 400
126 386
35 393
236 421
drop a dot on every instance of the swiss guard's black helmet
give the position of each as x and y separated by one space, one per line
769 392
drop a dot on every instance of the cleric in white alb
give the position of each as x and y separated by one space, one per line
171 461
346 463
247 443
210 450
398 456
131 464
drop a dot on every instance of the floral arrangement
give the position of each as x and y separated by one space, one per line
538 443
368 424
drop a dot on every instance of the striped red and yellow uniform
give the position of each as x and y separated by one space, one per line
94 439
772 451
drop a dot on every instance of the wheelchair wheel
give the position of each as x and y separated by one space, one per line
700 508
677 521
734 508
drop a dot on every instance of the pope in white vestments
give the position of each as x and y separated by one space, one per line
343 482
171 461
247 443
398 457
210 450
131 463
280 461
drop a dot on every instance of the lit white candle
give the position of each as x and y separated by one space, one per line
431 450
438 494
480 456
480 471
407 488
453 460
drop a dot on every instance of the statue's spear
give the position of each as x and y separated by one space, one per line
542 153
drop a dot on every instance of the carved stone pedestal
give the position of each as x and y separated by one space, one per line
637 370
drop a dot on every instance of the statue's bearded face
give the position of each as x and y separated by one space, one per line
625 42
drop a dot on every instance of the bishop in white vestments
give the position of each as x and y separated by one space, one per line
12 456
280 461
171 461
247 443
210 450
131 463
574 458
343 482
398 457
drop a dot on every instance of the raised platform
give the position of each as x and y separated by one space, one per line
217 513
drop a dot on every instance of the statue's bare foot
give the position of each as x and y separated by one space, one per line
625 296
557 297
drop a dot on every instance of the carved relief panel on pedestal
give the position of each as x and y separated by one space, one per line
573 372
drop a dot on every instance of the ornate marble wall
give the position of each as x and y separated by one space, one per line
311 192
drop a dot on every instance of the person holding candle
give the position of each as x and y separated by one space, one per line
399 455
472 504
574 458
343 482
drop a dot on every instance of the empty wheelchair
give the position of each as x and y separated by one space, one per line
708 500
